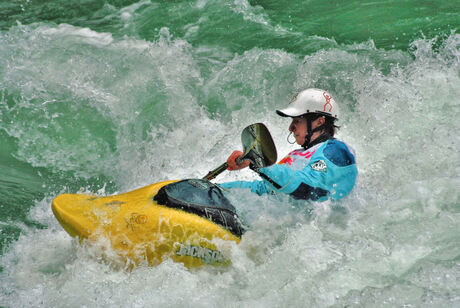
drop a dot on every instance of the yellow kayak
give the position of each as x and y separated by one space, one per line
173 219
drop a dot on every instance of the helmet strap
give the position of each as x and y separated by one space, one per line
308 142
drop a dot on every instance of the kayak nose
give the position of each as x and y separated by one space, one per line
70 211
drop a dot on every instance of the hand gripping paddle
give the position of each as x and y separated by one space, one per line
258 146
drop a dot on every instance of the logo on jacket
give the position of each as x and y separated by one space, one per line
320 166
287 160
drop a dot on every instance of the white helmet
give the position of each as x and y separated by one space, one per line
311 101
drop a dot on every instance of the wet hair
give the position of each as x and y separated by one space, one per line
330 127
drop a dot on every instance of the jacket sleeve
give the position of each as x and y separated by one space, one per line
280 174
258 187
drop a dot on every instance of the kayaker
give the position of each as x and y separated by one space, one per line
323 168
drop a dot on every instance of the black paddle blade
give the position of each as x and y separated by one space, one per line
258 146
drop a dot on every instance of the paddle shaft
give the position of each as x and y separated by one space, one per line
213 173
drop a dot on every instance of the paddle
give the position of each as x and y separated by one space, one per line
259 149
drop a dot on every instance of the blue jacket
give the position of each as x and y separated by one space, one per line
325 170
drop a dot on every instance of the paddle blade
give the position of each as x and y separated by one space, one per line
258 145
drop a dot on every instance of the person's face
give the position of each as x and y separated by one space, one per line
299 129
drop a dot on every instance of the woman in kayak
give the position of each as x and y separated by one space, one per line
323 168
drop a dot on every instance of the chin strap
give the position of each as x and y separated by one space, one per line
323 137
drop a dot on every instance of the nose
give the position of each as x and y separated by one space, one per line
292 127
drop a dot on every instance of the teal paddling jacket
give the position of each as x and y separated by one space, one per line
325 170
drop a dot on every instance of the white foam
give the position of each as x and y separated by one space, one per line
85 34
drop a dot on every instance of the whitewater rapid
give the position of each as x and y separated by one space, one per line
137 112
